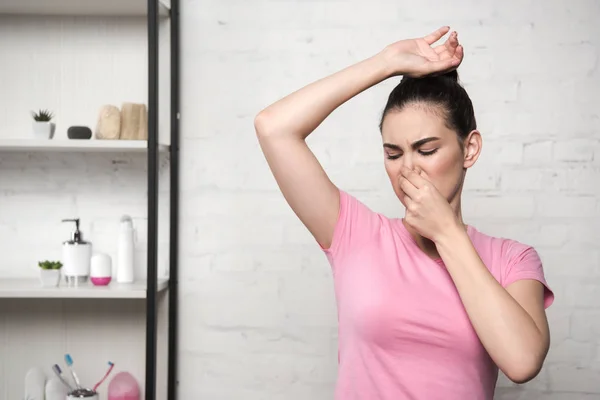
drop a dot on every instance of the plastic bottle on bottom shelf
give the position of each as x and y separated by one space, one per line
125 251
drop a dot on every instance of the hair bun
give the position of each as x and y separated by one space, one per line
452 75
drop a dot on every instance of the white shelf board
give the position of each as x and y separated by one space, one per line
82 7
76 145
31 288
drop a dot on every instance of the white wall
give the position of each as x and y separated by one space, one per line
258 313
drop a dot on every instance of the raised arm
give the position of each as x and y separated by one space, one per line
283 126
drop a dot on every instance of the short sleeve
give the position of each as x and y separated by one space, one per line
356 224
524 263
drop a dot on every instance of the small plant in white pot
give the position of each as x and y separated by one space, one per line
43 128
50 273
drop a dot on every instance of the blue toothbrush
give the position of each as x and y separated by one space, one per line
69 362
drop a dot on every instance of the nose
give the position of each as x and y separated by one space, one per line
408 162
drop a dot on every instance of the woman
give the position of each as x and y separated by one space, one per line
428 307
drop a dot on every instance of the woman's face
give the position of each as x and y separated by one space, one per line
418 138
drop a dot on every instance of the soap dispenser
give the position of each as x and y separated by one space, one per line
77 255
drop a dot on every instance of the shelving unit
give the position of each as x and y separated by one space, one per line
65 145
84 7
152 290
18 288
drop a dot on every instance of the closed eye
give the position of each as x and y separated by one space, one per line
428 153
414 146
423 153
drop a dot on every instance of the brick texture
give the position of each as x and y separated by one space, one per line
265 290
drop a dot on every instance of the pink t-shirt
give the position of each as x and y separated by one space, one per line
403 331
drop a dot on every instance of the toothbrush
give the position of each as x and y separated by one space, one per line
111 365
69 362
58 373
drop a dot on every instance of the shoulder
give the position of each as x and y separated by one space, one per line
503 249
511 259
357 224
353 207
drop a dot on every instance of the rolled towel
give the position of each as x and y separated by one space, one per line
134 121
143 130
109 123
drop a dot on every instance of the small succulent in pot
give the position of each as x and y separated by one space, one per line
50 273
43 128
50 264
42 115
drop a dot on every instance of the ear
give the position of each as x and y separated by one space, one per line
472 145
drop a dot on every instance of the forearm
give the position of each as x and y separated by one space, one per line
506 330
301 112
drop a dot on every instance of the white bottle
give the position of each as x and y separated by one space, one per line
125 251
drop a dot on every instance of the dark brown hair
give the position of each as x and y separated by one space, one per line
442 94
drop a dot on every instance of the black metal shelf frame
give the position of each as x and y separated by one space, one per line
153 164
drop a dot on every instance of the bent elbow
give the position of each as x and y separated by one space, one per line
262 124
523 372
522 377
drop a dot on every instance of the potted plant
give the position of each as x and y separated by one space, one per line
42 127
50 273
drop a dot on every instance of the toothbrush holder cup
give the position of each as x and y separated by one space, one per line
87 394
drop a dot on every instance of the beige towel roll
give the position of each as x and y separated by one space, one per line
134 121
108 125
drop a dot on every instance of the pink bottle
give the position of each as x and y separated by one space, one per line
123 387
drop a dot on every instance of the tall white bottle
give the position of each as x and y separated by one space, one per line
125 251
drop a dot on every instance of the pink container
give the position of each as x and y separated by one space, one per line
123 386
101 269
100 281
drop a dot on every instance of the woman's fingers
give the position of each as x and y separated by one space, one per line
414 177
447 49
408 188
409 202
446 64
460 53
458 56
435 36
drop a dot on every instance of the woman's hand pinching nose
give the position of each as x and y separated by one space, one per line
426 209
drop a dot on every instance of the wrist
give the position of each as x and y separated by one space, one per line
384 59
450 235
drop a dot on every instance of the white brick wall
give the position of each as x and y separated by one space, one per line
258 314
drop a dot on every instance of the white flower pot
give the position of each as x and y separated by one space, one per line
49 277
43 129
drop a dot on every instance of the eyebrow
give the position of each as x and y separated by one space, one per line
414 146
